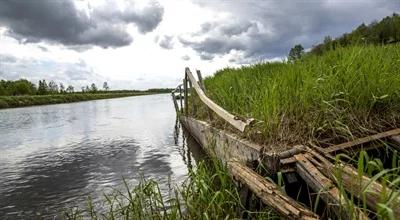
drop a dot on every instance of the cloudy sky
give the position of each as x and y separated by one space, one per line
140 44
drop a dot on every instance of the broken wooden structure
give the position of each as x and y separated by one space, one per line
316 166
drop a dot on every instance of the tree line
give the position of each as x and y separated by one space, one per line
386 31
25 87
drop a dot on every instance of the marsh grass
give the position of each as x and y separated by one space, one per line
343 94
387 173
208 193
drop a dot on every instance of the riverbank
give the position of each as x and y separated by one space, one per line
31 100
338 96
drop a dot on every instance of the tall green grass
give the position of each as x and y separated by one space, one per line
343 94
387 173
208 193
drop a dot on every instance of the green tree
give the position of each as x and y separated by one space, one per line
105 86
93 88
43 88
70 89
62 88
53 87
296 53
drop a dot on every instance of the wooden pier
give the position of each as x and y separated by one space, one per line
316 166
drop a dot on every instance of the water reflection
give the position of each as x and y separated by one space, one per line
55 156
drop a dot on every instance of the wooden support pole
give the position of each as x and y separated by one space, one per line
269 193
326 189
201 82
185 90
175 103
180 97
192 95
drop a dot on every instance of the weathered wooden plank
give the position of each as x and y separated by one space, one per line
357 142
326 189
222 144
269 193
231 119
360 186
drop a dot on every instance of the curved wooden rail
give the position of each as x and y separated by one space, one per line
231 119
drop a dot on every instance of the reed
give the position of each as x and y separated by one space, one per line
345 93
208 193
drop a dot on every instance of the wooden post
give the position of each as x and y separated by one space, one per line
175 103
269 193
201 80
180 97
185 90
192 97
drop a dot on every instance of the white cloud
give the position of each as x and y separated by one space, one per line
207 35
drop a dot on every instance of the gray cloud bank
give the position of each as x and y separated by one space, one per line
266 29
61 22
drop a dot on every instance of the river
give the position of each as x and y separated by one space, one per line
54 156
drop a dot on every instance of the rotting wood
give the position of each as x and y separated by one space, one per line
359 185
360 141
224 144
231 119
326 189
269 193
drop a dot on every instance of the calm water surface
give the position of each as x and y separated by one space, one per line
54 156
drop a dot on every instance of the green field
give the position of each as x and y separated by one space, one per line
29 100
345 93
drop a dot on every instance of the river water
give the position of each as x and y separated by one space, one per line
53 157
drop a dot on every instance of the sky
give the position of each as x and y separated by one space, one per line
140 44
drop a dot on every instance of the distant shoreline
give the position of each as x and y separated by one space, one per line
32 100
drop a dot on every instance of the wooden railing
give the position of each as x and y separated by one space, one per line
189 80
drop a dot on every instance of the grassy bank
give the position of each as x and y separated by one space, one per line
345 93
28 100
208 193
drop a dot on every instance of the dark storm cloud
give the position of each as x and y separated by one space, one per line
61 22
267 29
166 42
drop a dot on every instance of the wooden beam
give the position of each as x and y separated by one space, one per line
269 193
357 142
360 186
231 119
326 189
